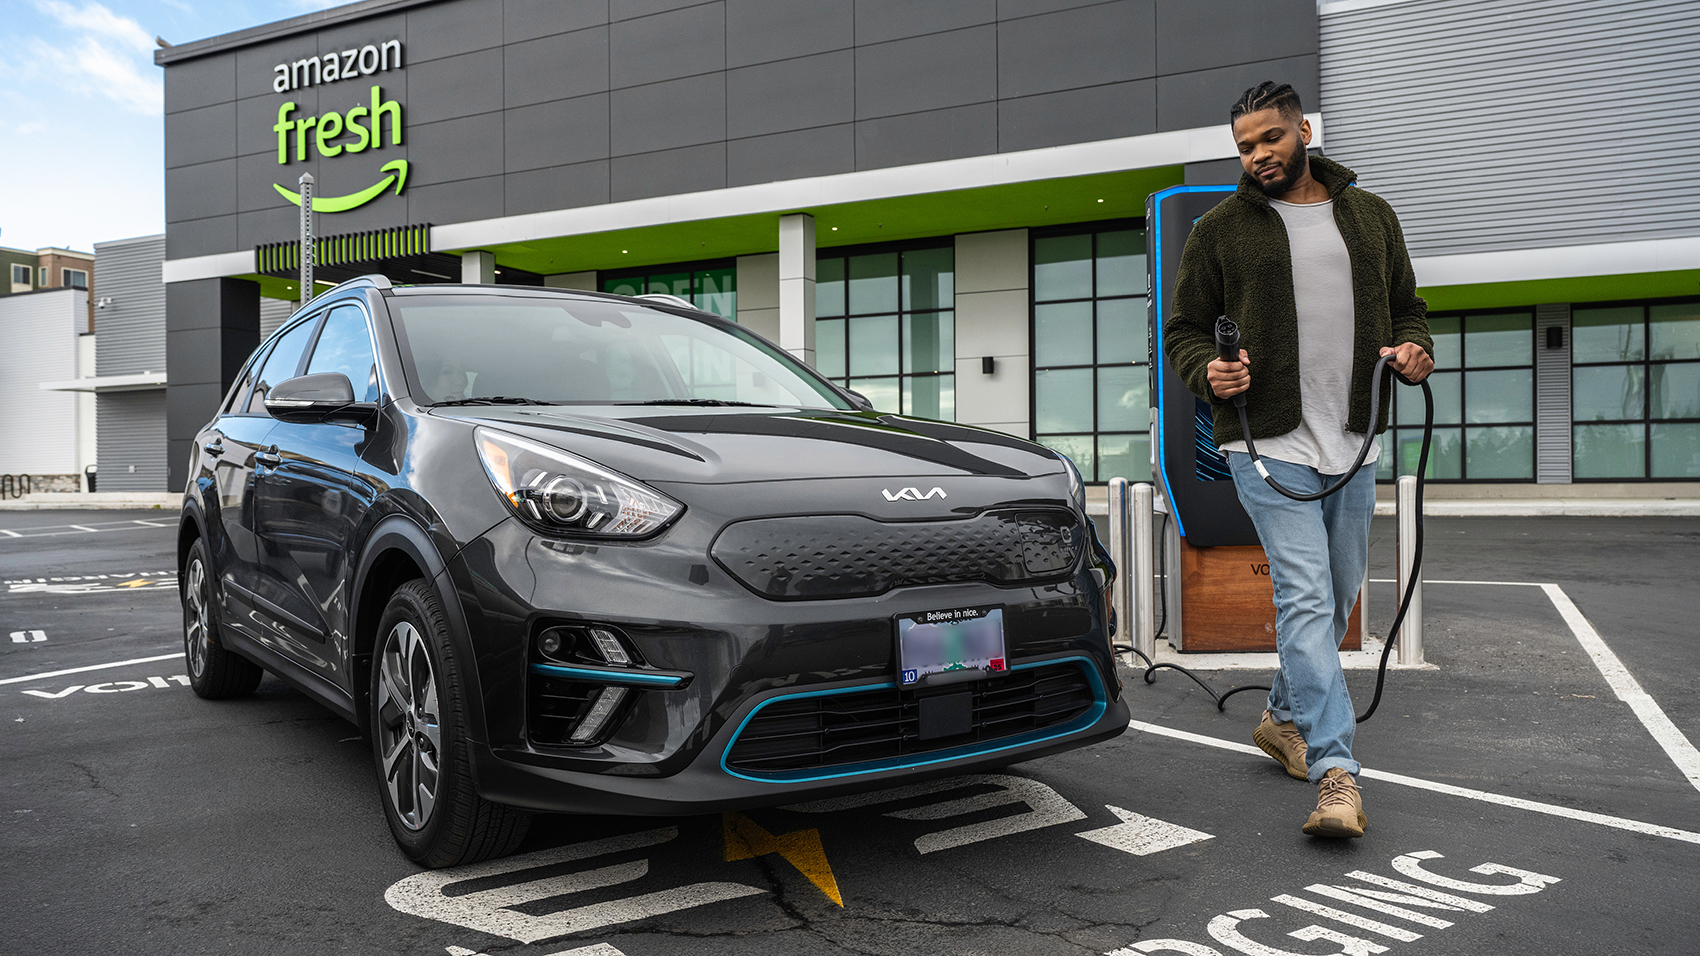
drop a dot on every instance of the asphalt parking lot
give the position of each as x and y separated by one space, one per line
1516 803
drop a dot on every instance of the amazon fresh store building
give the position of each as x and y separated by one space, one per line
938 202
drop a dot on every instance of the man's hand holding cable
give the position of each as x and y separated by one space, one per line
1409 359
1228 379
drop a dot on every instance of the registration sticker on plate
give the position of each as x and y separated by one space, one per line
941 647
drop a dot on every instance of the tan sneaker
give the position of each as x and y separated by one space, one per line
1282 741
1339 807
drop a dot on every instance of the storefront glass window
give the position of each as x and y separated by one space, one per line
1484 379
1091 371
885 325
1635 391
710 286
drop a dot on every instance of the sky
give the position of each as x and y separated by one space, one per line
81 130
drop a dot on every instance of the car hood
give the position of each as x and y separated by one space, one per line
737 444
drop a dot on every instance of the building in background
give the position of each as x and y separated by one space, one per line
47 432
939 204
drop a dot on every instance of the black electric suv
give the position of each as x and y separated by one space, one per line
564 551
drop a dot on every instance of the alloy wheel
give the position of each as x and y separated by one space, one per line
410 737
196 630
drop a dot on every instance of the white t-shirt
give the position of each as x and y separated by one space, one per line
1322 290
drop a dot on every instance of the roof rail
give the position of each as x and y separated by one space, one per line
669 299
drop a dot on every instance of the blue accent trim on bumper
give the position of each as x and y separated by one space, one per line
610 675
1100 703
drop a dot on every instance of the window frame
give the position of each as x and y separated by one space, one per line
1645 364
1463 368
1093 228
28 274
65 275
897 247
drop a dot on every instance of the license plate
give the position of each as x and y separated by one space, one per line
942 647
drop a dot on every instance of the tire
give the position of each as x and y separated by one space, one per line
419 741
215 673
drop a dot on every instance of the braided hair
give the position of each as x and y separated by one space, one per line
1268 96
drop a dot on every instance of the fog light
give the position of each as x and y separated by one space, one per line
612 651
549 643
597 716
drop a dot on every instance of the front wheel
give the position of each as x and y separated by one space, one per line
418 729
215 673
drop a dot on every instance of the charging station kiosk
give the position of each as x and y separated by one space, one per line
1217 591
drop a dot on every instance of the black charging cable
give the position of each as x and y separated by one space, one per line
1228 350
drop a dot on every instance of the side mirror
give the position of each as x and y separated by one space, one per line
309 399
857 399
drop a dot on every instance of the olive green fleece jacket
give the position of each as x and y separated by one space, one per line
1237 263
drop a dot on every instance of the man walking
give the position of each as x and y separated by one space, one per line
1315 273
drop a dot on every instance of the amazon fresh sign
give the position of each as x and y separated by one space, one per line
371 122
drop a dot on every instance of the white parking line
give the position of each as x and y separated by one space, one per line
92 667
1627 689
1621 823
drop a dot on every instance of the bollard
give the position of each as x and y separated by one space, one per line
1119 556
1411 631
1143 575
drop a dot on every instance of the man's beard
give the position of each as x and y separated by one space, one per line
1290 173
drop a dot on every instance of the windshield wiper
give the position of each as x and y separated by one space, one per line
491 400
697 401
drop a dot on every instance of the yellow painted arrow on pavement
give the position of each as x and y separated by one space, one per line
745 839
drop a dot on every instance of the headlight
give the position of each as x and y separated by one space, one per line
1076 486
559 492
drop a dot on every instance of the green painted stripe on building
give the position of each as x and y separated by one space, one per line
1499 295
1017 205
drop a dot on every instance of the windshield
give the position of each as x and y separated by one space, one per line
589 352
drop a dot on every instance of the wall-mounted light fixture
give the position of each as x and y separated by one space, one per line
104 302
1555 336
987 365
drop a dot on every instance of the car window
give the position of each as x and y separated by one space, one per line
281 364
238 397
577 351
345 346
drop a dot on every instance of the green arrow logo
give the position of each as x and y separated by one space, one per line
397 174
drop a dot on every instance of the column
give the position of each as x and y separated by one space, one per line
992 321
478 267
797 286
211 327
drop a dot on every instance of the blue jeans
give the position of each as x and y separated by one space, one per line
1318 551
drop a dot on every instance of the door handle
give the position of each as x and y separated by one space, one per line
269 457
215 448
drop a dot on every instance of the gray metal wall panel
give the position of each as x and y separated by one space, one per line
272 314
131 430
688 96
1516 124
1552 397
130 330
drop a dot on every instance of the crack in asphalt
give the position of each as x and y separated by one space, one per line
94 782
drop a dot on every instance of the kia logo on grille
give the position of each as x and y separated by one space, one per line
911 494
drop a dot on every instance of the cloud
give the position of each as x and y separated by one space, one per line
25 129
108 58
97 19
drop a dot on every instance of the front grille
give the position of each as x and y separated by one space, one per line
879 724
839 556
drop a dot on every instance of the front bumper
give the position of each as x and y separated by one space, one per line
685 615
707 785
